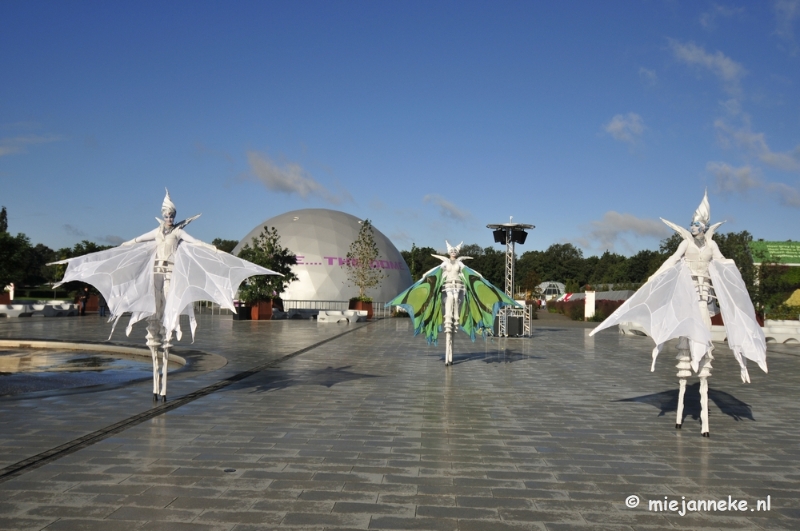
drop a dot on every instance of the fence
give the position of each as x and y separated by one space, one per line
378 310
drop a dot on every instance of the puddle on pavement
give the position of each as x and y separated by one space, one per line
31 370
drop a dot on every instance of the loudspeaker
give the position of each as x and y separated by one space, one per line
514 326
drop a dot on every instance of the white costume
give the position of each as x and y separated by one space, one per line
452 294
676 302
157 276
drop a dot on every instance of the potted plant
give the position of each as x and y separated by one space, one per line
362 268
259 292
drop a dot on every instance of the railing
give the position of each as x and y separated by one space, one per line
378 310
201 307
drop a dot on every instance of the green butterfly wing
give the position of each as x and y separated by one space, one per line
423 302
482 301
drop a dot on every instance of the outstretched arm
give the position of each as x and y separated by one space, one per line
146 237
191 239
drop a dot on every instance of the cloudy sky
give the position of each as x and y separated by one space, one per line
589 120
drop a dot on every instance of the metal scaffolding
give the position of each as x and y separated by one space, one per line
511 233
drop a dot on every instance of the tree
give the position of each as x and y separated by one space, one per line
530 285
224 245
668 246
420 260
361 271
267 251
736 245
3 220
490 262
15 254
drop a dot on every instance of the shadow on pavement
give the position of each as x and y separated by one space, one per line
667 401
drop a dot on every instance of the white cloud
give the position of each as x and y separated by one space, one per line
290 179
787 195
626 128
725 68
648 77
708 19
446 208
734 180
757 144
402 236
786 11
606 232
741 180
17 144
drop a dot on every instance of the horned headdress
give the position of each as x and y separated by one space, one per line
451 248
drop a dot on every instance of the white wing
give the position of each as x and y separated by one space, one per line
124 275
745 338
201 273
666 307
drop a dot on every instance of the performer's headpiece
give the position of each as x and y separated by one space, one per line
168 204
703 212
450 248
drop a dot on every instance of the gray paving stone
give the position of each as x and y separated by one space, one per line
370 431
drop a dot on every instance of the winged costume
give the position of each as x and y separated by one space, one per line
157 276
679 299
449 296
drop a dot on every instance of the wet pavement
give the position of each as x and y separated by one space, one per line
24 371
304 426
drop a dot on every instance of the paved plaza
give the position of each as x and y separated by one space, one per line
300 425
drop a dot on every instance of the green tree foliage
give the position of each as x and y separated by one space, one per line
530 285
224 245
776 283
266 250
15 259
668 246
561 261
736 245
489 262
20 262
420 261
361 271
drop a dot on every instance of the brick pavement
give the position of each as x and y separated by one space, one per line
370 431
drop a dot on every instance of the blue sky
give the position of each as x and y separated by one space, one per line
589 120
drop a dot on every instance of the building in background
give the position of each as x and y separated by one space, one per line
321 239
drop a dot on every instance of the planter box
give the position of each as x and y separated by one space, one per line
363 306
261 311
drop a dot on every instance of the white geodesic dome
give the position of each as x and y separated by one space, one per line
551 289
321 239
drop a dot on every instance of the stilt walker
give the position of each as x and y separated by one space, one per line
452 296
158 276
678 301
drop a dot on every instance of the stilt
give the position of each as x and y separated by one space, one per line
164 369
684 371
154 342
448 351
704 374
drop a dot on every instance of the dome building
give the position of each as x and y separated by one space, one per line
321 239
